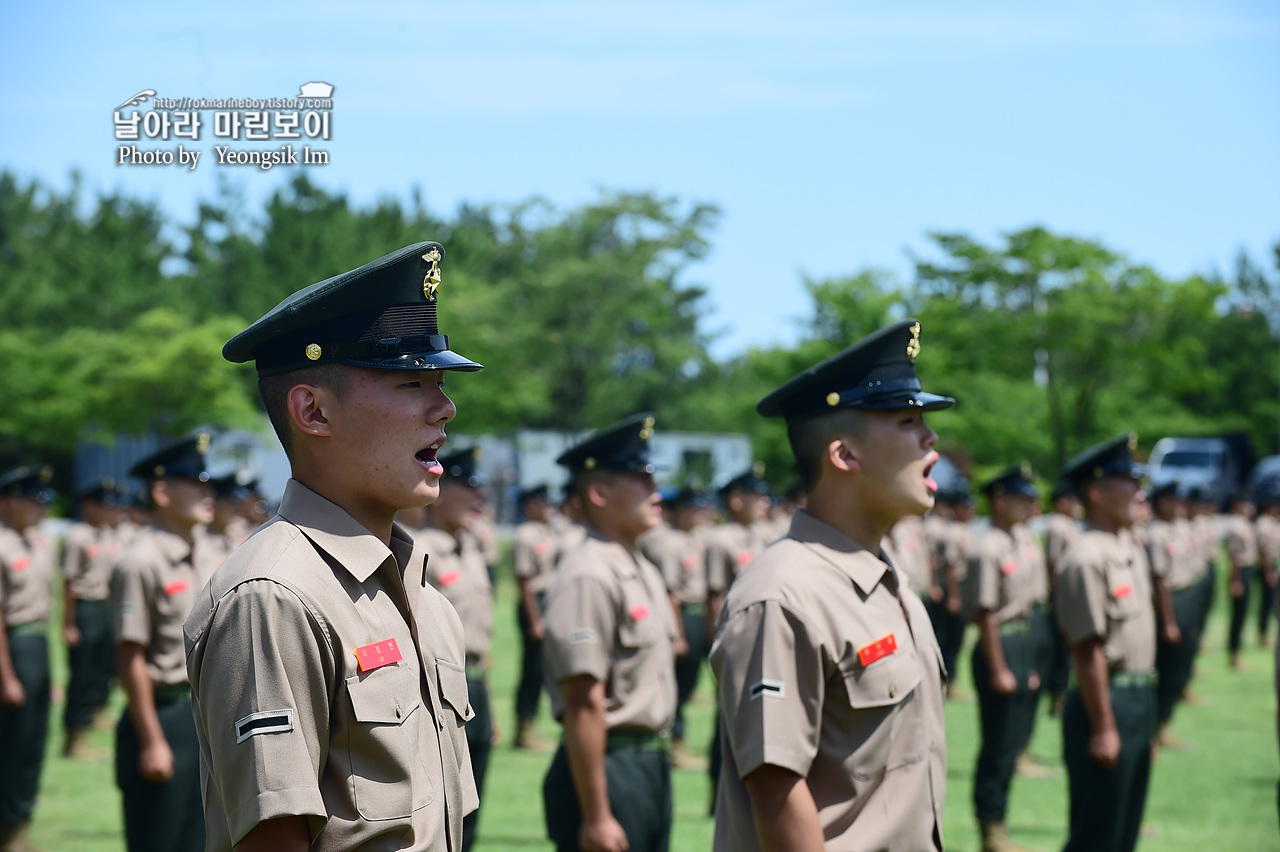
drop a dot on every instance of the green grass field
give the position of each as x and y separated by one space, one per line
1221 795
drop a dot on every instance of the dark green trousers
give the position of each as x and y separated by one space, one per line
165 817
639 796
1004 724
1175 662
1240 608
479 743
529 690
1106 804
689 667
23 729
93 664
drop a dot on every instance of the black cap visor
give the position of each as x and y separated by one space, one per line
431 359
917 400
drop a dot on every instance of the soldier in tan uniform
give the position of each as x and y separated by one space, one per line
1104 606
90 551
609 657
329 677
456 567
1003 567
1062 526
534 559
830 680
679 552
1175 569
26 572
155 584
1242 549
1267 527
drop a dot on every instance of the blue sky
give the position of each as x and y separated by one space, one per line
833 136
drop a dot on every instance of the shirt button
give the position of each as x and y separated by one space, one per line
440 719
893 691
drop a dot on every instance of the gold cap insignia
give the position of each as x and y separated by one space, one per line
46 473
1097 472
431 281
590 463
1133 442
913 346
159 471
475 453
646 430
108 483
1026 470
202 443
833 399
313 351
757 468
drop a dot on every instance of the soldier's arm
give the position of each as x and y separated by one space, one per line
785 815
1164 605
529 600
155 758
1002 680
12 693
1095 692
585 740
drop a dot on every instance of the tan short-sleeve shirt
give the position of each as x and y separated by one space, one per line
88 556
535 554
1104 590
1268 533
1003 569
154 586
329 681
679 557
828 667
1242 540
910 553
26 570
731 547
456 567
1060 531
608 617
1164 549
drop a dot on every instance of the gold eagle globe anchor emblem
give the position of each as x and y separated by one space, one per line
913 347
431 281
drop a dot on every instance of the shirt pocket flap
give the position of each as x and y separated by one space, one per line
884 683
385 697
453 688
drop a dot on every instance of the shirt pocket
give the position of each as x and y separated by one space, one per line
640 625
885 727
1122 593
453 691
383 744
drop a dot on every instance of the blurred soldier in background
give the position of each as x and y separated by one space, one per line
1242 549
534 558
1268 530
609 657
456 567
27 559
90 551
1062 526
157 581
1175 568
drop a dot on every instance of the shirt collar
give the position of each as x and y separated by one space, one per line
172 546
860 565
331 529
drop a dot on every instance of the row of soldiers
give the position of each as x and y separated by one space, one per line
325 685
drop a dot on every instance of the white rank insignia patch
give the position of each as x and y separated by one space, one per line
582 637
268 722
768 688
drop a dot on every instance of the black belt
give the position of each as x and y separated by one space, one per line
630 739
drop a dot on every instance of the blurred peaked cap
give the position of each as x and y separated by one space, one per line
1015 479
104 490
747 481
694 497
225 486
1062 488
381 316
1110 458
541 491
182 458
876 373
29 481
1165 489
463 466
622 448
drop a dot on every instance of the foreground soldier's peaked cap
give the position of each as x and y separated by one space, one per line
381 316
29 481
1110 458
876 373
1015 479
182 458
622 448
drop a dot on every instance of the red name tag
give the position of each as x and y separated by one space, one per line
542 548
744 557
91 551
1008 567
175 587
1172 548
639 612
880 648
1123 591
21 563
691 563
378 654
448 578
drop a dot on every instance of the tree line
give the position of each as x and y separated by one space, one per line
113 315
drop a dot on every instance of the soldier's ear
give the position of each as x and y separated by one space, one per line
844 455
160 493
309 408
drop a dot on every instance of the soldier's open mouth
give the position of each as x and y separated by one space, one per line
929 481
